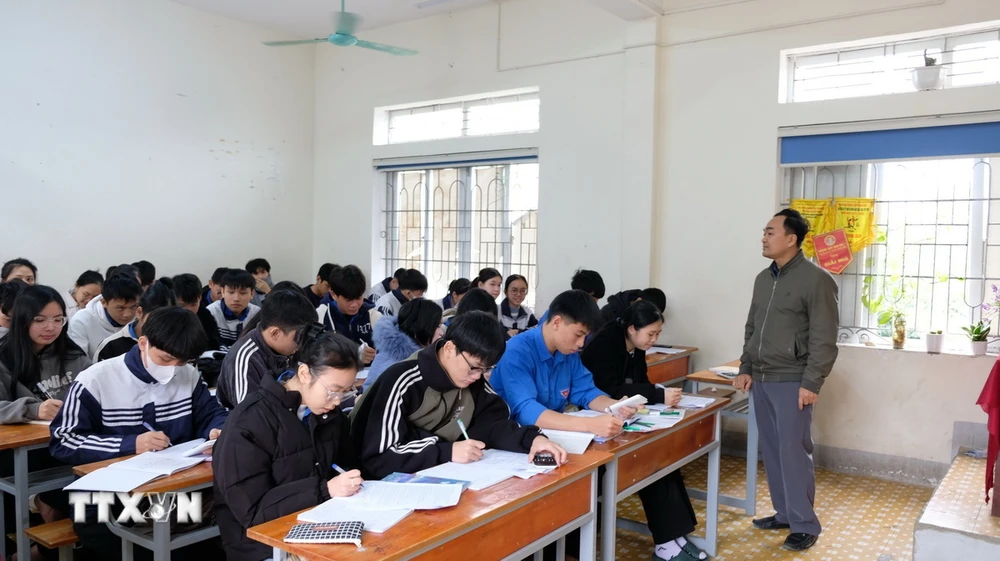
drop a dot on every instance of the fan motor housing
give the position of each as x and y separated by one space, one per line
342 40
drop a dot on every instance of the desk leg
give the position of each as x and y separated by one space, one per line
278 555
127 550
21 502
537 556
161 541
3 525
588 532
712 492
561 549
609 510
752 443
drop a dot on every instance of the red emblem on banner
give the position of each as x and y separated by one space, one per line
833 252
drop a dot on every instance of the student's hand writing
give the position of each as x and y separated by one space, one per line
743 382
48 409
605 426
542 444
467 451
262 286
345 484
151 442
671 396
369 355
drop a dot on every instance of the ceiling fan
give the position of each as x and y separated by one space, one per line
345 23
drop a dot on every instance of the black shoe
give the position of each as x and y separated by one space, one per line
798 541
769 523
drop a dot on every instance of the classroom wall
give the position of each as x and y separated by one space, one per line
143 129
718 117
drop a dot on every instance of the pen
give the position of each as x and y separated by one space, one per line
461 426
151 429
670 413
342 472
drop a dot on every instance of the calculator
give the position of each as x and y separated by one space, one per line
545 460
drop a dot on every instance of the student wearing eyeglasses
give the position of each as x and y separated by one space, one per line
278 447
408 420
514 315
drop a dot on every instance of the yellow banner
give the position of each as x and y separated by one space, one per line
857 218
817 213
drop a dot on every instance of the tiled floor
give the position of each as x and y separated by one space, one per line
958 502
863 519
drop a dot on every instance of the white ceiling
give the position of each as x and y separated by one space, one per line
311 18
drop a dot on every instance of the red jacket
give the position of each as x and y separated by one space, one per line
989 400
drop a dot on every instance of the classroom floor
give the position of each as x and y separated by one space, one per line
863 519
958 502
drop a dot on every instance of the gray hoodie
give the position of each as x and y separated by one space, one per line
56 378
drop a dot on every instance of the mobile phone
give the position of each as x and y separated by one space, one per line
544 459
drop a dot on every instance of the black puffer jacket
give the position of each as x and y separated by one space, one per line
616 372
269 464
617 304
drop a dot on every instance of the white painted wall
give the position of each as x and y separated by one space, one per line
143 129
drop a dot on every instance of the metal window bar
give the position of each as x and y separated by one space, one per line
518 103
937 246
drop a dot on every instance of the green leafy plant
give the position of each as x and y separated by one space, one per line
938 332
886 310
977 332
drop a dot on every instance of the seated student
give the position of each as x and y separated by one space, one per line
515 317
276 454
456 290
87 287
19 268
261 271
157 296
490 280
264 350
147 273
407 421
386 286
104 316
8 293
187 289
213 290
412 285
618 303
317 290
345 311
38 361
399 338
150 385
587 281
617 358
234 309
476 300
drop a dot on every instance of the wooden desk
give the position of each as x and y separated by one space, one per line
642 458
510 520
742 407
162 543
21 439
665 368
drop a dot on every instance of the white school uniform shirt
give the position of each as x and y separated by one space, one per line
91 326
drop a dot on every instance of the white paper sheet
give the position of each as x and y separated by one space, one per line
113 480
376 521
479 477
512 462
381 495
694 402
665 350
574 442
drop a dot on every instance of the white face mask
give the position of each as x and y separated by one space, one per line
160 373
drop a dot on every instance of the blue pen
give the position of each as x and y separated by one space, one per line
341 471
461 426
151 429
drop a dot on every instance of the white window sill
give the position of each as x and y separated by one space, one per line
917 346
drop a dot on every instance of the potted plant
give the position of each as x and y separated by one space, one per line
930 76
977 336
935 339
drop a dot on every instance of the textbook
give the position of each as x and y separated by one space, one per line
126 475
397 477
376 521
326 532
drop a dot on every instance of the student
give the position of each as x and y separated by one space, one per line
386 286
476 300
87 287
264 351
19 268
187 289
490 280
38 361
150 385
8 293
515 317
412 285
213 291
345 311
399 338
147 273
407 421
456 291
157 296
261 271
589 282
617 359
234 309
276 454
316 291
618 303
103 317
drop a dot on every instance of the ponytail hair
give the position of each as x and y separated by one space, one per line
640 314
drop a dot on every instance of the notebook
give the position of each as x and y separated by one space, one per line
126 475
326 532
376 521
475 477
574 442
397 477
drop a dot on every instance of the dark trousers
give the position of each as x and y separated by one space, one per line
786 440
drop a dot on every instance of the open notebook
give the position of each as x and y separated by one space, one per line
126 475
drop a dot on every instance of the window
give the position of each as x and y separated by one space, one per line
936 257
481 116
450 221
883 66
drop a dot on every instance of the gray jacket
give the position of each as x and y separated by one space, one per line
55 379
791 330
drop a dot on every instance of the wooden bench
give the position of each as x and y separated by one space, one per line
55 535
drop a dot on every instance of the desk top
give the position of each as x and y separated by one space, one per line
198 475
627 439
17 436
425 529
656 358
709 377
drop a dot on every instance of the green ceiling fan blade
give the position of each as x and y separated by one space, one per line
288 43
400 51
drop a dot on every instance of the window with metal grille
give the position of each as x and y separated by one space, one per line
451 221
936 256
503 114
969 58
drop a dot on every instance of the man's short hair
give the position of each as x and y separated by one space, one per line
176 331
121 287
147 272
589 282
257 264
655 296
348 282
576 306
187 287
478 334
413 280
218 274
324 271
238 279
478 300
795 224
288 310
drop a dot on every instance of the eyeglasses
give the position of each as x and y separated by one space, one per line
332 396
57 321
475 369
520 291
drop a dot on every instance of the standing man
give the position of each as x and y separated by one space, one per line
789 347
